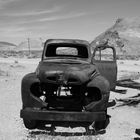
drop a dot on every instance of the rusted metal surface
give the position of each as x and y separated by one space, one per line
109 71
67 83
107 68
33 114
128 83
80 72
68 41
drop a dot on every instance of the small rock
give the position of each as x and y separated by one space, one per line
137 138
137 131
16 61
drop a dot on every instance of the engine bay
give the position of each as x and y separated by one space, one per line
65 98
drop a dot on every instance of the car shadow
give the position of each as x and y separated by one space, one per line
48 130
66 134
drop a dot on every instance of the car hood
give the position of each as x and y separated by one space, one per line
67 72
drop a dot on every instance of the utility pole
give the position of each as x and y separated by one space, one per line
29 47
42 44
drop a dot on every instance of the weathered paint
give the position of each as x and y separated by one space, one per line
108 69
31 114
84 70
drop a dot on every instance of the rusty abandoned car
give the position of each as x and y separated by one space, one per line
71 84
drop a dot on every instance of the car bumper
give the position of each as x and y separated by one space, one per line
58 116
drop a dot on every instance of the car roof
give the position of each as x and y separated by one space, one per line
69 41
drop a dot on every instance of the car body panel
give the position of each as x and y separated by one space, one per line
82 71
108 69
68 41
59 116
67 88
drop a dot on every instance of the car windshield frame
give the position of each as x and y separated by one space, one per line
51 48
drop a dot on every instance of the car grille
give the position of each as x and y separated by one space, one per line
62 80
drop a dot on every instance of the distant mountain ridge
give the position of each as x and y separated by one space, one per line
6 43
124 35
23 46
32 44
5 46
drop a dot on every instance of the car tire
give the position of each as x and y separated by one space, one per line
30 124
102 124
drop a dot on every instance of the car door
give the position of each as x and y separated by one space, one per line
104 57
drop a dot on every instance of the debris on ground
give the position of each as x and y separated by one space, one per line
121 91
128 83
137 131
137 138
133 100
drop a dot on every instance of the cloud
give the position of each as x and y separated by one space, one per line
60 17
44 19
12 29
53 18
19 31
5 2
34 13
50 19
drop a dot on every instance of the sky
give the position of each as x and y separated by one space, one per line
44 19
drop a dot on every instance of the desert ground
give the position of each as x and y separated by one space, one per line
123 121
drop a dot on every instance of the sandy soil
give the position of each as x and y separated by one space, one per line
123 122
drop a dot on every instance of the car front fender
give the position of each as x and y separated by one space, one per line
103 85
28 99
